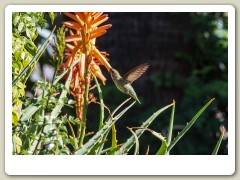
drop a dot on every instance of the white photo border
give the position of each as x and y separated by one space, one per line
120 165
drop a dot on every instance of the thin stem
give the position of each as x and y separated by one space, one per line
101 103
82 135
85 106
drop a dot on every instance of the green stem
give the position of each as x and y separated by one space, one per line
82 135
85 106
101 103
114 138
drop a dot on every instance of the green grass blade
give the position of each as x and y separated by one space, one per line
34 60
215 151
187 127
99 135
130 142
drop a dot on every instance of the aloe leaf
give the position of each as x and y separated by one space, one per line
34 60
95 148
110 151
187 127
66 71
29 111
130 142
57 109
98 136
136 151
114 137
170 127
103 139
215 151
106 134
163 148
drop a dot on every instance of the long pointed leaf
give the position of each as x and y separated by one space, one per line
187 127
60 104
66 71
98 136
106 134
29 111
170 127
136 151
215 151
130 142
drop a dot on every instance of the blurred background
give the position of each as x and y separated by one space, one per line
188 58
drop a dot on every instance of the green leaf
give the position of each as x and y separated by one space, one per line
26 143
131 141
98 136
31 32
163 148
31 47
215 151
29 112
17 144
66 71
114 137
187 127
21 26
57 109
15 117
52 16
34 60
33 129
136 152
16 20
101 103
170 126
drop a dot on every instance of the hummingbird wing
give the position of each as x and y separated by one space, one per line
135 73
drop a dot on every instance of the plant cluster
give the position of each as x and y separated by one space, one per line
39 125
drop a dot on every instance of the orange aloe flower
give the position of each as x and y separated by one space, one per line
80 44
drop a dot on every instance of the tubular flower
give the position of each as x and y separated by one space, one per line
80 44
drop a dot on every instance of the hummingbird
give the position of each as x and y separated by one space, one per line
124 83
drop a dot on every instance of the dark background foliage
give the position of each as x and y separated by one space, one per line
187 53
